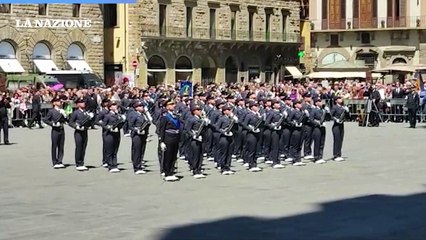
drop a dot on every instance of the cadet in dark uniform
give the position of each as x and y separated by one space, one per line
413 102
296 118
36 110
239 112
251 120
169 136
307 127
214 117
4 121
56 118
208 149
286 131
195 126
226 125
113 122
80 120
338 115
318 133
265 135
99 120
273 123
138 124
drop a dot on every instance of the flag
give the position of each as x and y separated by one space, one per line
419 81
186 88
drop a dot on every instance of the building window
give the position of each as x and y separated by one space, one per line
163 19
324 14
365 38
284 16
334 40
189 21
42 9
5 8
212 23
251 16
110 15
233 25
7 51
268 26
76 10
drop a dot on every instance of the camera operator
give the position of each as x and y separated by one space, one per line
4 121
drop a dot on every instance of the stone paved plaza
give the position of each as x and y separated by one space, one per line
379 193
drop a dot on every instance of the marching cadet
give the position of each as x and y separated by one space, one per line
286 130
252 123
239 113
338 115
99 120
139 123
265 142
195 126
80 120
56 118
169 136
273 122
113 123
208 136
296 119
307 127
318 133
244 131
226 125
214 117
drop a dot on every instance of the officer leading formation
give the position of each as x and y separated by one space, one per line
222 128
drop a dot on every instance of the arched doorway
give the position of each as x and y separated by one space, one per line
183 69
208 71
42 58
75 58
231 70
156 70
399 61
8 61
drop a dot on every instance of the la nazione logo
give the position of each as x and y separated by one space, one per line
53 23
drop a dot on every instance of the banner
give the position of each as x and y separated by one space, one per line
186 88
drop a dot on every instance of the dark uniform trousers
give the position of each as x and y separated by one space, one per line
224 148
169 159
81 139
104 147
296 144
237 141
195 156
266 142
4 125
412 116
208 144
307 139
160 156
138 150
112 142
58 140
252 140
318 136
216 138
274 146
244 145
338 133
285 141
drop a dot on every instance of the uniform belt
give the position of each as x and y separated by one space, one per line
173 131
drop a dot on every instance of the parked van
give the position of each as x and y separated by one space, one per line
14 82
77 79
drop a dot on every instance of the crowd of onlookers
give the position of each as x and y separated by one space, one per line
23 100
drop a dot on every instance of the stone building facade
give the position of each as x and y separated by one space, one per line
37 38
213 41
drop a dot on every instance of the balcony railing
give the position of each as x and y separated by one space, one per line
218 34
372 23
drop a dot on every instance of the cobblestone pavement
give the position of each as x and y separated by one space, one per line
377 194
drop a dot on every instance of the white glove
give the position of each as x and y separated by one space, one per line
163 147
123 117
256 130
207 121
57 124
277 128
229 134
62 111
306 113
251 128
326 109
80 128
235 118
114 130
346 108
141 132
298 124
199 138
285 113
91 115
323 124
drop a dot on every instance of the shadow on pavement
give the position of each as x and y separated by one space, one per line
375 217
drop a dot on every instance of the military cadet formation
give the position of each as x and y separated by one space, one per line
221 128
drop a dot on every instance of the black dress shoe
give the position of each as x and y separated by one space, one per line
7 143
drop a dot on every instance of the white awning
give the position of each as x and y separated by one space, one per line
337 75
45 65
11 66
184 70
79 65
157 70
294 71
